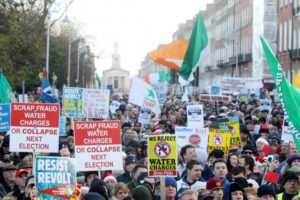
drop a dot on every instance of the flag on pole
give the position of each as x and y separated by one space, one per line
98 81
48 95
289 96
6 94
142 94
198 49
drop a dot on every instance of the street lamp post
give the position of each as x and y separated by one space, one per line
48 42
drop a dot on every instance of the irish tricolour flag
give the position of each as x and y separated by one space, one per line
198 49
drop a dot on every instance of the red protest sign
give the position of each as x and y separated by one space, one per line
34 127
98 145
271 177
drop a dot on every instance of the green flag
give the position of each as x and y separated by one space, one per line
98 81
289 96
198 49
6 94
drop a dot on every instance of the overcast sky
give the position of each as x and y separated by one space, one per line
139 26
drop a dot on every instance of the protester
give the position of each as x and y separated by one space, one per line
120 191
266 192
220 171
9 178
290 185
216 186
189 195
130 163
187 153
170 188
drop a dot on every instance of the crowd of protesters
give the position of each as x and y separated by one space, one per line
239 176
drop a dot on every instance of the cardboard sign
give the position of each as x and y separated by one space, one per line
194 136
265 104
4 117
62 125
195 116
286 132
34 127
72 102
145 115
95 103
219 138
206 97
114 105
55 178
98 145
162 157
235 139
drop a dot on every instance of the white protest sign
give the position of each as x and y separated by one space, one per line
98 145
286 132
95 103
237 84
114 105
145 115
195 116
193 136
265 104
34 127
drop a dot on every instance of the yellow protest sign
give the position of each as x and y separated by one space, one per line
235 140
219 138
162 155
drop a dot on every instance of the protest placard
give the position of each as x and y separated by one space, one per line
55 178
195 116
145 115
286 132
206 97
215 90
219 138
34 127
98 145
72 102
4 117
62 125
236 84
265 104
114 105
235 139
162 159
194 136
95 103
160 89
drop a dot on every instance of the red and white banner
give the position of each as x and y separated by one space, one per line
98 145
34 127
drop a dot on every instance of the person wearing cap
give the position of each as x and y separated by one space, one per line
9 178
194 171
7 160
110 180
170 188
21 176
290 184
266 192
187 154
130 163
89 176
296 170
216 186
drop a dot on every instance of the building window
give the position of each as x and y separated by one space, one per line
290 33
116 82
280 37
285 36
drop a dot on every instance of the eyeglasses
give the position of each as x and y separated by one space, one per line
247 152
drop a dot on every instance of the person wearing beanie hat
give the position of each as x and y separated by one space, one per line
216 186
290 184
93 196
110 180
100 187
134 175
266 192
261 142
236 192
170 188
294 160
130 163
31 190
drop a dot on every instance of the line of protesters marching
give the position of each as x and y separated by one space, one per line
200 175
